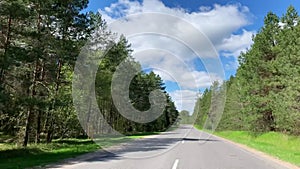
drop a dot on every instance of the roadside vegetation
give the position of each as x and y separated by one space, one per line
281 146
186 118
264 96
262 108
40 42
39 46
18 157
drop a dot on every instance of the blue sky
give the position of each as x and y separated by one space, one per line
257 7
225 26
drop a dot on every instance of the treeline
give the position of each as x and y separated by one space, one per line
136 94
265 93
39 45
186 118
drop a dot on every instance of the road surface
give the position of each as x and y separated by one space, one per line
183 148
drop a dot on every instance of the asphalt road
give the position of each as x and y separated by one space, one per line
183 148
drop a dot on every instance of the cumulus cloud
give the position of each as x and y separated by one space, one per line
169 39
173 68
184 99
217 23
236 44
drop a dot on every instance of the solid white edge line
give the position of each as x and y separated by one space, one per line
175 164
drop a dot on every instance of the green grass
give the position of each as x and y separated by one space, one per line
284 147
198 127
16 157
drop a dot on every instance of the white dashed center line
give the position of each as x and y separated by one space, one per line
175 164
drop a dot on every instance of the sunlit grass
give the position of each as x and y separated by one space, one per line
16 157
282 146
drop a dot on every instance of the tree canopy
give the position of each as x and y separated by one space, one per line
39 45
264 94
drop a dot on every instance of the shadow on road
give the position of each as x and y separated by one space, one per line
197 139
164 142
139 148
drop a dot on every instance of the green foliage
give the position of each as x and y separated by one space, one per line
233 118
208 109
39 44
186 118
202 108
268 91
139 90
264 95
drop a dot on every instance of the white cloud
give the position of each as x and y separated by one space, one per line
236 44
204 8
184 99
232 65
173 68
217 23
166 38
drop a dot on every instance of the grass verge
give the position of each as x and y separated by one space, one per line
15 157
284 147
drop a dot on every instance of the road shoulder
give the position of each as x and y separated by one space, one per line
256 152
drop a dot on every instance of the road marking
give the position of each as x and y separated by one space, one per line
182 141
175 164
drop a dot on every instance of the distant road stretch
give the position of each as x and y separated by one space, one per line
183 148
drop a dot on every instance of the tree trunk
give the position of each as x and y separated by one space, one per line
6 44
87 127
39 116
38 127
49 136
31 94
27 128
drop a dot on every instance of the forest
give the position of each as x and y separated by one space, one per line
39 45
264 95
